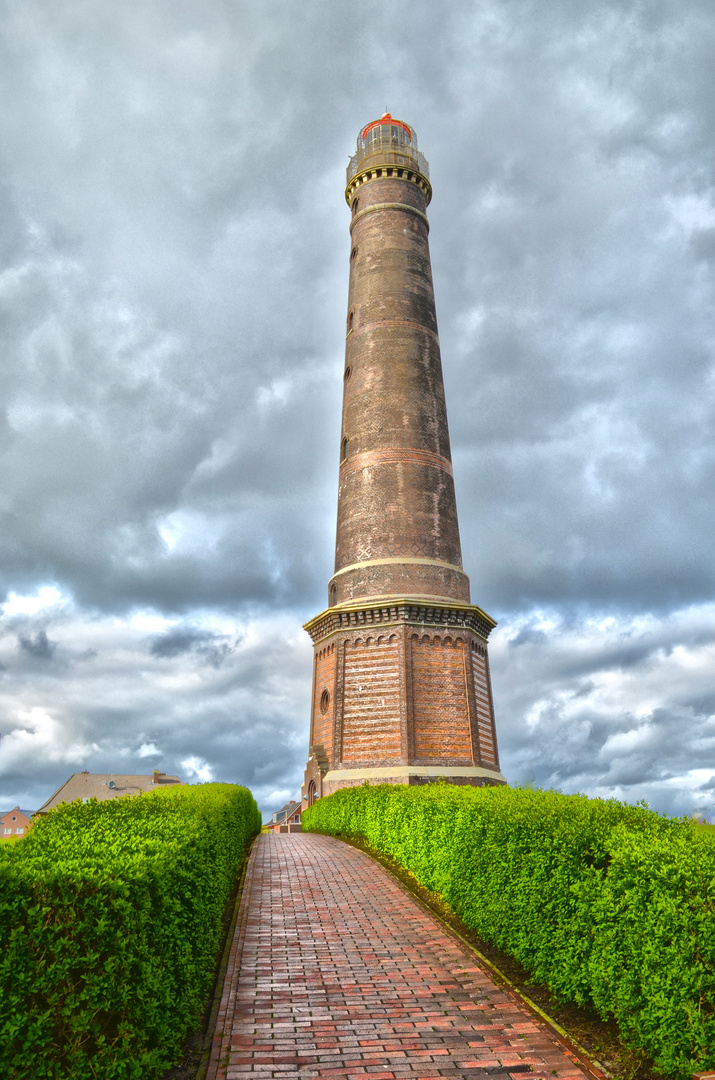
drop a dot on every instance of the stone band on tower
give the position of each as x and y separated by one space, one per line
401 685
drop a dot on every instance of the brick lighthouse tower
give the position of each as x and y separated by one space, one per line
401 685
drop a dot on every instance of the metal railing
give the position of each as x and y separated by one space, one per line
387 144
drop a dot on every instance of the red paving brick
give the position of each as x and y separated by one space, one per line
335 971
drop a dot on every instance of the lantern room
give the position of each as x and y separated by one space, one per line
387 141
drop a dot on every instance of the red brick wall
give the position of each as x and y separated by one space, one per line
403 695
485 715
324 679
439 698
371 701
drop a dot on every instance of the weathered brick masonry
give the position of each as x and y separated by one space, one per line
401 689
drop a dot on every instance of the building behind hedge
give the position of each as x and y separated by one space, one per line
15 822
102 786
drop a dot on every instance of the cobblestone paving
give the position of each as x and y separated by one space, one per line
335 971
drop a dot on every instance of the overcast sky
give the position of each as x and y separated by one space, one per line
173 290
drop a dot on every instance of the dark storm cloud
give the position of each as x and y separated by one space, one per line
38 646
180 640
611 706
172 298
227 702
214 648
180 291
581 320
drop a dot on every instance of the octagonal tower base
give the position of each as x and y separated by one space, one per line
401 695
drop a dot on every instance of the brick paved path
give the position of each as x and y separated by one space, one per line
336 971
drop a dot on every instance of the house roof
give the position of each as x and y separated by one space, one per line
103 786
283 813
17 810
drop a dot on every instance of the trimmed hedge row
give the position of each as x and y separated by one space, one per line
110 924
609 905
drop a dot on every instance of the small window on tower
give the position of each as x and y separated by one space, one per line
353 254
351 319
344 449
333 595
348 373
324 701
354 208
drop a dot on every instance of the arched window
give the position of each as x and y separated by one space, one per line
353 254
351 319
333 596
348 373
355 205
312 792
324 700
344 449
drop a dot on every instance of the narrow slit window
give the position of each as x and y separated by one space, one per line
351 318
344 449
356 203
348 373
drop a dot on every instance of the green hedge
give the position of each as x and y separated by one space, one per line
609 905
110 924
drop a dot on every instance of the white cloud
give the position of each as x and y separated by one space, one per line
149 622
47 596
148 750
198 769
37 737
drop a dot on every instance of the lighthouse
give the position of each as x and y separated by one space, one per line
401 684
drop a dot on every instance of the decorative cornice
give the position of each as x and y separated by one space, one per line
394 611
407 207
391 172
